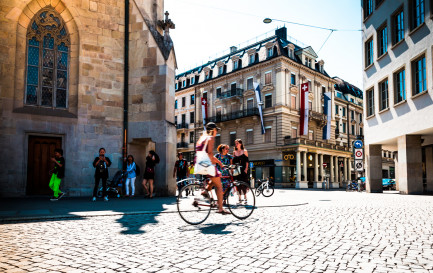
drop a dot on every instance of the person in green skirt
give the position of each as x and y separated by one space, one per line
58 174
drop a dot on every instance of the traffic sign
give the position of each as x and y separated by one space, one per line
358 144
359 165
359 154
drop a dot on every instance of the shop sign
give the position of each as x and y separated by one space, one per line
289 156
263 163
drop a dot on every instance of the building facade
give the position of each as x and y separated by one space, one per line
279 66
64 83
185 119
397 50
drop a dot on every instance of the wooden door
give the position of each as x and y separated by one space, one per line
41 150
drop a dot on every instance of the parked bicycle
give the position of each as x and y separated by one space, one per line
354 186
195 202
266 188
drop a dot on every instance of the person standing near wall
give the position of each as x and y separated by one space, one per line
58 174
180 170
240 156
130 176
101 164
149 174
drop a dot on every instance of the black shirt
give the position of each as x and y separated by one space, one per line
60 171
101 167
181 168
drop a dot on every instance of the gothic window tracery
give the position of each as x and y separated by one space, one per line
48 46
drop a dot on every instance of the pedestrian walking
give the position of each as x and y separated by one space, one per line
149 173
101 164
131 168
226 159
180 170
206 143
58 174
191 170
240 156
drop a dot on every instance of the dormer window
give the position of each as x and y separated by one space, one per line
176 86
192 81
183 83
220 70
236 65
308 62
207 76
252 59
270 52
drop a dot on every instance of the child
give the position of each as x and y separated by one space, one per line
58 174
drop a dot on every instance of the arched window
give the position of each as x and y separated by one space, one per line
47 61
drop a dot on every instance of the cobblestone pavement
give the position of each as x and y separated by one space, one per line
293 231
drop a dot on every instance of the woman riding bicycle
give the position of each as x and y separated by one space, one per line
208 137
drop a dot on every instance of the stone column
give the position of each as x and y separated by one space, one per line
331 171
410 164
373 168
336 184
304 167
316 172
396 171
298 169
321 167
349 169
346 177
429 168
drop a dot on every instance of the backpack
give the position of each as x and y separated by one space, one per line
137 170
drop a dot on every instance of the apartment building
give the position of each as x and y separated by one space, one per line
279 66
397 50
185 118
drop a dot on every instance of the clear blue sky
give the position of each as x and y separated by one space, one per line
205 29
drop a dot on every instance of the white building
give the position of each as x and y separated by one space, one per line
397 47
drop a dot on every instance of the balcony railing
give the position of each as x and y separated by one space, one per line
236 92
234 115
315 143
182 145
182 126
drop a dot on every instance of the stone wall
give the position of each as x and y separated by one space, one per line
94 117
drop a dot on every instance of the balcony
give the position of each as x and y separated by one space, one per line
234 115
235 92
182 145
182 126
315 143
320 118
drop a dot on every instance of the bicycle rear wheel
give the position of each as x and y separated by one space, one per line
193 207
241 200
268 191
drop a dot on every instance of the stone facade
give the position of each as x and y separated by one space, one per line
93 116
279 67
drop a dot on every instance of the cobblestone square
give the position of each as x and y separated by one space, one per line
292 231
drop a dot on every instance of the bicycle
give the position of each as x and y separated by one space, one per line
265 188
195 202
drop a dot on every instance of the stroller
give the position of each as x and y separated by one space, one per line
113 185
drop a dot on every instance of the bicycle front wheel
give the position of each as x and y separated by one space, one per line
258 191
241 200
268 191
192 206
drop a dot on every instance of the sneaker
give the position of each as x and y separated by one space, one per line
61 195
106 198
54 198
94 199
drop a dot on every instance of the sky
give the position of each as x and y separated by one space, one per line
205 30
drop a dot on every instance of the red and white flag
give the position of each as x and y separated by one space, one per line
204 111
304 109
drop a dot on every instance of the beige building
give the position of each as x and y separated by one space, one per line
397 48
185 118
63 84
280 67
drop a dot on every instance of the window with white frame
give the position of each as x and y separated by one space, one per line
419 78
176 86
293 79
268 77
268 100
294 132
235 64
293 101
250 83
220 70
250 134
184 83
270 52
310 134
218 92
192 81
268 132
417 13
383 94
232 138
251 58
250 104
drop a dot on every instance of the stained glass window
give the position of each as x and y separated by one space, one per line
47 61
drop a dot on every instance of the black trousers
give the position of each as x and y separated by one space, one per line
104 185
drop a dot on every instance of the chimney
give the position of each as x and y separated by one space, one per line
281 33
233 49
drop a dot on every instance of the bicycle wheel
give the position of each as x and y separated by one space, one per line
268 191
258 190
241 200
193 207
